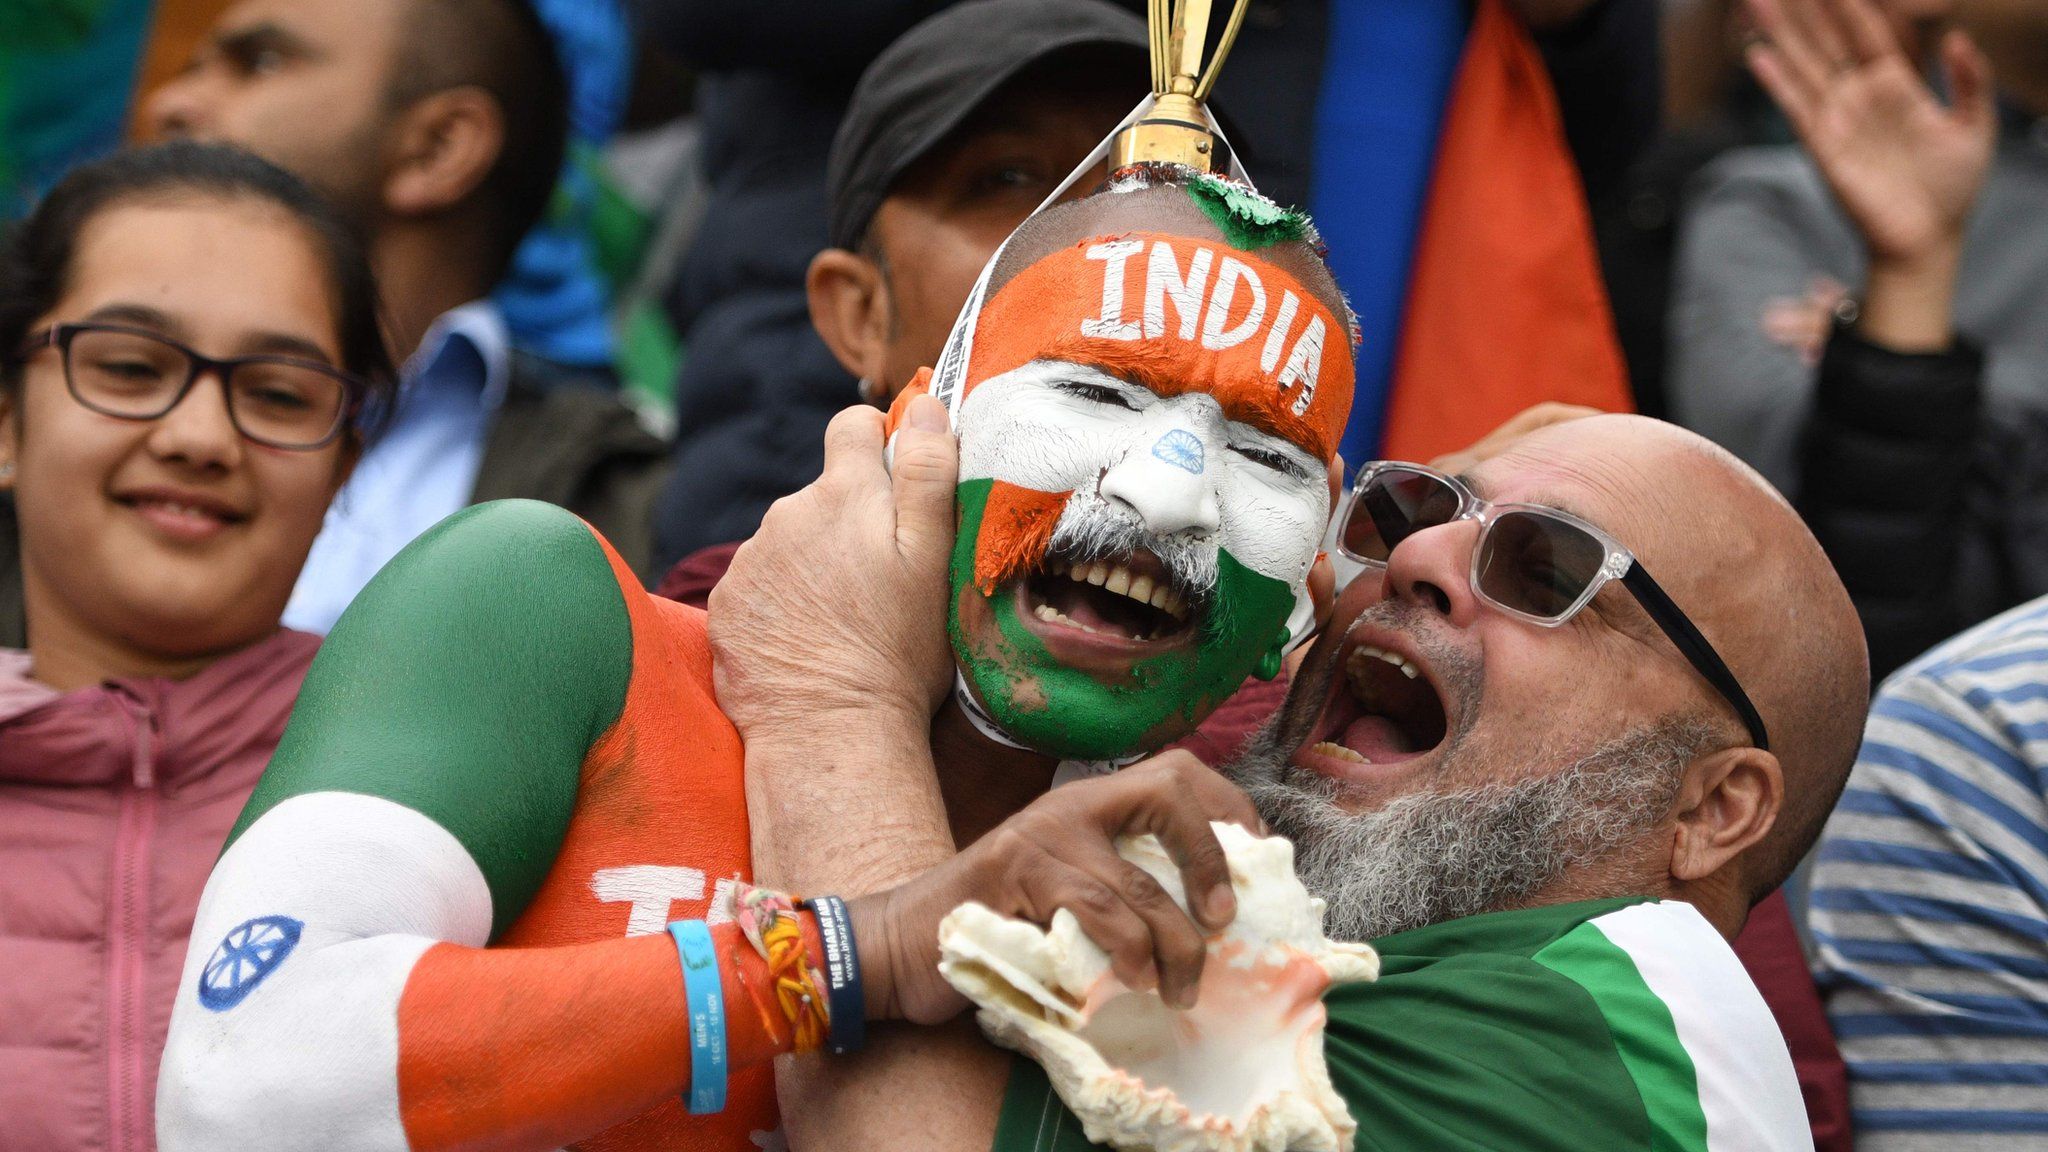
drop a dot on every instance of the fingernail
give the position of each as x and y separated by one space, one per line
927 414
1221 902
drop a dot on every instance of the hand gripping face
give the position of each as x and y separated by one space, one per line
1145 419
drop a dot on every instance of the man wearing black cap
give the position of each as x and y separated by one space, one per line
954 134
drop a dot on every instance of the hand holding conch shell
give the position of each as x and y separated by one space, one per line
1158 1033
1059 853
1241 1070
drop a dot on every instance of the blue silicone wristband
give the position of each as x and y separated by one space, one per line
705 996
843 994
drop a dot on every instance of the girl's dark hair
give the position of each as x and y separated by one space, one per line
35 260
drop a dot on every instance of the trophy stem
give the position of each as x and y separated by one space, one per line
1177 131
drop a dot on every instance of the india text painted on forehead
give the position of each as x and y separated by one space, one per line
1179 314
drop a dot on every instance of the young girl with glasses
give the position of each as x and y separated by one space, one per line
189 363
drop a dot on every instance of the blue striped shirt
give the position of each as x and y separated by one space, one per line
1929 908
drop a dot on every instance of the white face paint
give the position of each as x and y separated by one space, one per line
1179 463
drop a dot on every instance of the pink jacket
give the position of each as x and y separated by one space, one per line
114 801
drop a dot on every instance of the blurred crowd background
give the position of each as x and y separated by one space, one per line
632 257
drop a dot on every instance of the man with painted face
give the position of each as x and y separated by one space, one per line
1146 419
1547 785
439 922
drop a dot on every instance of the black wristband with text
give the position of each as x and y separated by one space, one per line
844 997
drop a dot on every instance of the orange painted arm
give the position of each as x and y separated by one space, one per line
534 1048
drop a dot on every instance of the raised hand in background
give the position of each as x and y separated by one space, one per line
1905 166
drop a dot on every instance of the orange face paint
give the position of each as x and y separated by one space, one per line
1014 531
1179 315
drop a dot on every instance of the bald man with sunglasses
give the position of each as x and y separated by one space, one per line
1548 785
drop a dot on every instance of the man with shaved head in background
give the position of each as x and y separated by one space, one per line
1549 786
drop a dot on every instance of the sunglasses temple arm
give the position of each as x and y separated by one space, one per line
1694 646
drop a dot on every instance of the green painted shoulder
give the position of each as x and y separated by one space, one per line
467 682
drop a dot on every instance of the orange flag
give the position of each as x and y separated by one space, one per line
1505 306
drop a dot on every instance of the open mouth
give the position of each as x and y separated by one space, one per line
1384 711
1131 601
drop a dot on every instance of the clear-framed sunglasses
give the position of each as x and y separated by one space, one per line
1534 563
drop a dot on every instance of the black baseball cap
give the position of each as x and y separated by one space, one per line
934 76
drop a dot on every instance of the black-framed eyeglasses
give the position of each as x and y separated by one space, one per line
135 374
1532 562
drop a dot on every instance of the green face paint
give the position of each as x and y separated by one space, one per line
1087 715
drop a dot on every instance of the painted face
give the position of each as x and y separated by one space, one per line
1143 429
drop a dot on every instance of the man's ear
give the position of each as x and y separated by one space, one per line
851 310
1322 588
1727 802
443 147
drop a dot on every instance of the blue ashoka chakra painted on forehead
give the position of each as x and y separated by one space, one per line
247 955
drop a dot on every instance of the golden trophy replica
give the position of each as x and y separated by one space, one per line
1176 130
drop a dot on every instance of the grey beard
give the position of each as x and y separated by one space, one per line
1092 528
1436 856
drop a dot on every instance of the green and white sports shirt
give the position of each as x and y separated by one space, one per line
1599 1026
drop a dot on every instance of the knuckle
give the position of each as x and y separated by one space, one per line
1161 782
925 458
852 420
1031 824
1093 898
1141 889
1206 856
779 512
1009 848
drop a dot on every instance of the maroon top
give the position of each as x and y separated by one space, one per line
1768 946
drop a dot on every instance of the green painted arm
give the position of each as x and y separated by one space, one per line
467 682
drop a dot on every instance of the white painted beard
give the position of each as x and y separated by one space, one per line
1436 856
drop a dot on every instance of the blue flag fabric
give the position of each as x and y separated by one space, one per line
555 302
1388 71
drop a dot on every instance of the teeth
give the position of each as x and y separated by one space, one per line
1366 651
1052 615
1118 579
1339 752
1170 602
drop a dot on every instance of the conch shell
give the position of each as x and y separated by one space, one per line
1241 1071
